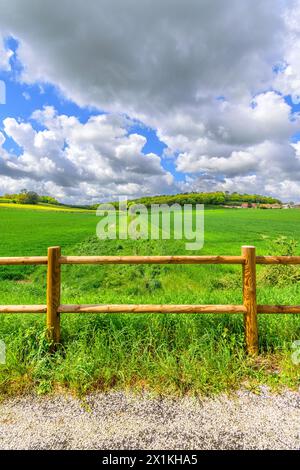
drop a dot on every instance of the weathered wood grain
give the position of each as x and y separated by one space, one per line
53 293
249 299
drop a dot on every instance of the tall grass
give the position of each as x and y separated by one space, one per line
166 354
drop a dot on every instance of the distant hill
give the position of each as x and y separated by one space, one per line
29 198
32 200
42 207
213 198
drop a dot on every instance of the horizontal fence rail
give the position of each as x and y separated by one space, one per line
23 308
25 260
277 259
151 260
150 308
248 260
122 308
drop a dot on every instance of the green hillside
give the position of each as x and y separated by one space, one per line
211 198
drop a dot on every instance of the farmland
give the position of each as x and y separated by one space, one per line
164 353
45 207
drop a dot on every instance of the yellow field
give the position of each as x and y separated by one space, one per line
42 207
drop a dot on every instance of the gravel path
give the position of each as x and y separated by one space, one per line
122 421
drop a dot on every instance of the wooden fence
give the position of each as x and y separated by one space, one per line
248 260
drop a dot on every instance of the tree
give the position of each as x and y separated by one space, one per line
28 197
48 200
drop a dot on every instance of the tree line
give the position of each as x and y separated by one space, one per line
30 197
217 198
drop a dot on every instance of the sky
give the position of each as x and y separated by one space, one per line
144 97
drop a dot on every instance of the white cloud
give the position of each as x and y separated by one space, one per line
274 169
237 140
236 163
199 72
26 95
2 139
5 55
145 57
97 159
288 76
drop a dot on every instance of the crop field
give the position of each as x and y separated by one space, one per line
45 207
164 353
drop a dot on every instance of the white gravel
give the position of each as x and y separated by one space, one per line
123 421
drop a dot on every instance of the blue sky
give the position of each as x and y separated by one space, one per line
114 108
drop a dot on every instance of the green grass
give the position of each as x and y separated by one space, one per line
174 354
27 232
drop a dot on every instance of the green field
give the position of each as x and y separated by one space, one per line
164 353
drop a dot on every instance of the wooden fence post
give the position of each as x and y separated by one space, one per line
249 299
53 294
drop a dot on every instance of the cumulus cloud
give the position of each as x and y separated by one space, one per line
288 69
269 167
238 143
209 78
94 160
148 56
227 128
